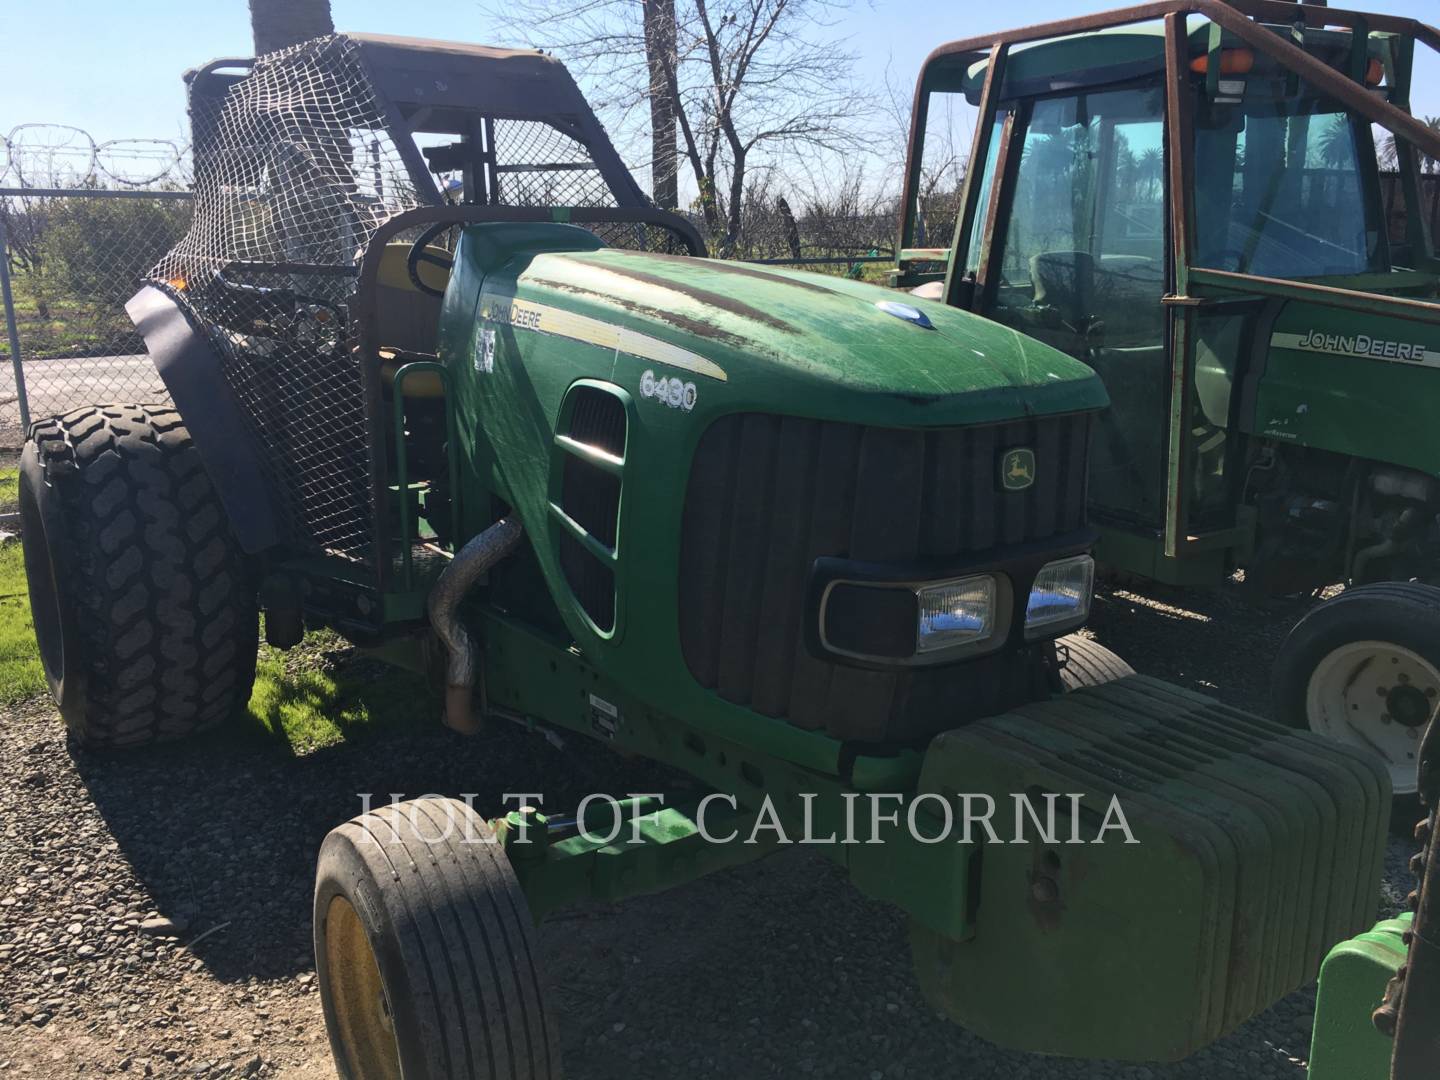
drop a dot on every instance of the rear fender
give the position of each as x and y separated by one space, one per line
190 369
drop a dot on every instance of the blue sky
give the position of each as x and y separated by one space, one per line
114 67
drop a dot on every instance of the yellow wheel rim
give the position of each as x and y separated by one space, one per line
361 1008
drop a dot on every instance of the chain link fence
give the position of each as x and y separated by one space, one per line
71 257
81 224
72 260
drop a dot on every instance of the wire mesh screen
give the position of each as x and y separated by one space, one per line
540 166
639 236
294 172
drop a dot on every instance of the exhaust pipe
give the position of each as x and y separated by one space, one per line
476 557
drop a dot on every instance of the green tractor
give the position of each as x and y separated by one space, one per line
821 551
1186 197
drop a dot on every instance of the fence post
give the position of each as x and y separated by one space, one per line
13 329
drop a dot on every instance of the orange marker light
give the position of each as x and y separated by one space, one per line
1232 62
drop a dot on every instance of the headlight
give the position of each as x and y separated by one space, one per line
955 613
1060 597
913 622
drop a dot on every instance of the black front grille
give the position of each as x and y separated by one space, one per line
769 494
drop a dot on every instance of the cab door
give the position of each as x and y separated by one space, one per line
1078 258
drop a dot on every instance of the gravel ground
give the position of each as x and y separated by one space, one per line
155 909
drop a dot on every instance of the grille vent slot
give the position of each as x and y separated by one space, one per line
589 496
597 419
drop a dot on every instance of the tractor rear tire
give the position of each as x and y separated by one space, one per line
425 952
144 608
1364 668
1087 663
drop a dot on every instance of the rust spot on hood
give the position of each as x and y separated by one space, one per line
726 266
698 327
705 296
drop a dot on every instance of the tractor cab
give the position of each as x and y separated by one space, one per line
1183 199
331 182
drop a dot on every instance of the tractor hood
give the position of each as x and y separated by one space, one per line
824 346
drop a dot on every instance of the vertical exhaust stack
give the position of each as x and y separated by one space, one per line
473 560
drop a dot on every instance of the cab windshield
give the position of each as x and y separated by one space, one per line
1280 190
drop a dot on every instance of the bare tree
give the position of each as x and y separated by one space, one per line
659 18
748 82
947 138
278 24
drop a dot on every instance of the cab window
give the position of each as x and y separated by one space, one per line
1083 268
1279 190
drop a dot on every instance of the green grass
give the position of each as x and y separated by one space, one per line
320 693
21 675
53 324
325 691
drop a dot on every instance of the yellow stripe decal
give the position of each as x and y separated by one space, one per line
527 315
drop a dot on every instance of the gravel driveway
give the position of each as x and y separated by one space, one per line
154 910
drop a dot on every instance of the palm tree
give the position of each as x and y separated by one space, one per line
1150 168
1428 163
1337 147
278 24
1389 159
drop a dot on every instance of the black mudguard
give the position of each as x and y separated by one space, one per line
190 369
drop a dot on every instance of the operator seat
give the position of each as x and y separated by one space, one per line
1064 281
407 321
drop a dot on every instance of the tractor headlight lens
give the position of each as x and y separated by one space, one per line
955 613
1060 597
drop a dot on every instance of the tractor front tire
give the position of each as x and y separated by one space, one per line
144 610
1087 663
425 953
1364 668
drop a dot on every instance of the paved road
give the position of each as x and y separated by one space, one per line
58 385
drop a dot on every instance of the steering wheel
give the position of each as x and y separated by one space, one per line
420 252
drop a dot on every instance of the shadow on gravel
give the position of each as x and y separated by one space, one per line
1216 641
223 832
776 968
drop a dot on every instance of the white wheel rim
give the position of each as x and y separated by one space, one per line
1379 695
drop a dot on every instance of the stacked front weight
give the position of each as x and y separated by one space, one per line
1257 848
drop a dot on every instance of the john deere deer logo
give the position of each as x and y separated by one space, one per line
1017 469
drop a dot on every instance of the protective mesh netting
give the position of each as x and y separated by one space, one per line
540 166
295 170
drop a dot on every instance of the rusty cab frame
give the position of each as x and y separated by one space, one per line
1187 552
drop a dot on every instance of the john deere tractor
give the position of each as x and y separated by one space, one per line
1186 197
443 380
